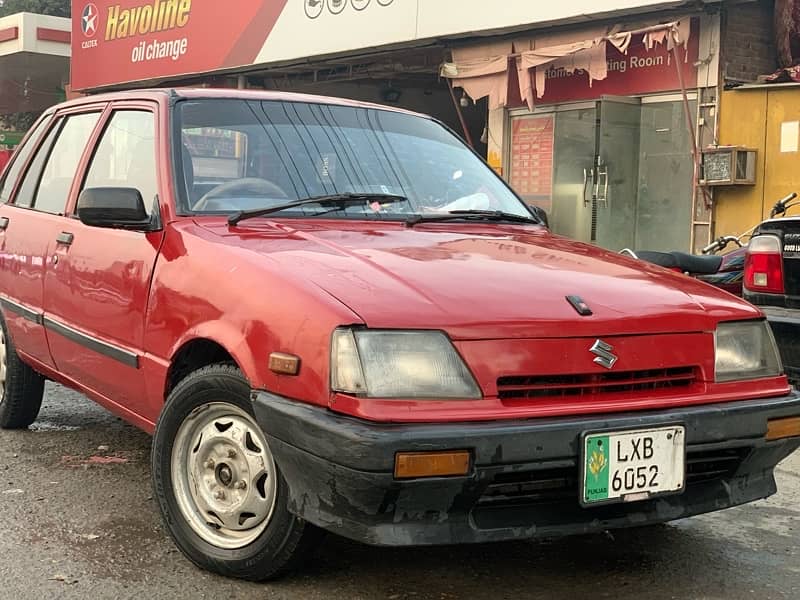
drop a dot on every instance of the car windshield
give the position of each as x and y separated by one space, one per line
240 155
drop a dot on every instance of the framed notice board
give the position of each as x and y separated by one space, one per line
531 173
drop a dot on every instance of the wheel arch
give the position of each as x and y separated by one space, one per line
207 345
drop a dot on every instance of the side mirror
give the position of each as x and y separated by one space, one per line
540 213
113 207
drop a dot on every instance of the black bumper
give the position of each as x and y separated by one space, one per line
785 323
524 482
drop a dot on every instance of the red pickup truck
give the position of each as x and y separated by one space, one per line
334 316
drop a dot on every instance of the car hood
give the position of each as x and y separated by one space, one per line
479 281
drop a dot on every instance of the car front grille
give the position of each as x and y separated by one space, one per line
562 484
713 464
531 487
548 386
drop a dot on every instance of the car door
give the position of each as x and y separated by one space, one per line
96 293
31 222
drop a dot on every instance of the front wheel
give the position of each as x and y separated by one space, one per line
21 388
217 484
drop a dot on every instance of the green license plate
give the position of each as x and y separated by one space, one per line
627 466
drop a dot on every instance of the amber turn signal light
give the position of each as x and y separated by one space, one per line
284 364
778 429
409 465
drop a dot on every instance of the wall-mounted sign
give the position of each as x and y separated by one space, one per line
531 173
10 139
790 136
640 71
120 41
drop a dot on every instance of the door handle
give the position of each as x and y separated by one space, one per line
602 176
65 238
4 221
585 185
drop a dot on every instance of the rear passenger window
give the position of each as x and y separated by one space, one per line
59 171
20 158
28 188
126 155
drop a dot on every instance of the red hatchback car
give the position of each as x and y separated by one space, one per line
334 316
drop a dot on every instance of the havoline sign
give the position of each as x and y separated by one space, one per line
116 41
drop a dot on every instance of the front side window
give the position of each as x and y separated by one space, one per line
240 155
19 160
125 155
52 191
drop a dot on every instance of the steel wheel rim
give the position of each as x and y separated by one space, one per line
3 364
223 475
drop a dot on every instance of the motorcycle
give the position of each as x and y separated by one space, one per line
723 271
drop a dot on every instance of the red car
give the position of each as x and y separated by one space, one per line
334 316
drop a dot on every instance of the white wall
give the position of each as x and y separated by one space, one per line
27 24
386 23
451 17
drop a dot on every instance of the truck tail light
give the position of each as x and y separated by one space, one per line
763 266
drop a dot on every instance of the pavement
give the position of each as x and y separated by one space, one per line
80 522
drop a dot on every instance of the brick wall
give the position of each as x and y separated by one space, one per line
748 40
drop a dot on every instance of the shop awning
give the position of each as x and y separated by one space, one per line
484 70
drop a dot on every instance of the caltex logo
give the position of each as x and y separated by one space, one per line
89 20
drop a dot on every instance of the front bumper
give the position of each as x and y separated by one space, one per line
785 323
524 480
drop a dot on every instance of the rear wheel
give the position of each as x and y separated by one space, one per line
217 484
21 388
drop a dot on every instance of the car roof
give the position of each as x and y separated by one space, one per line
225 93
779 220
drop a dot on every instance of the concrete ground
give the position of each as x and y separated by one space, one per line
82 527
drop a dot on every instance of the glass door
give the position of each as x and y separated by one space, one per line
664 199
616 173
573 183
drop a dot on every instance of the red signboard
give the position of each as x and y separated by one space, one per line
640 71
116 41
531 172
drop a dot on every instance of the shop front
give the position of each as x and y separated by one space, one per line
608 151
616 172
612 163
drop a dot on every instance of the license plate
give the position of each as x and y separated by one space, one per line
627 466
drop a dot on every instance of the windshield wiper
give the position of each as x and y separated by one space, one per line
339 201
474 215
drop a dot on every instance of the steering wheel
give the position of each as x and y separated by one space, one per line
248 187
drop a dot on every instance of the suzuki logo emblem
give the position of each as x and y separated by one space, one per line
605 358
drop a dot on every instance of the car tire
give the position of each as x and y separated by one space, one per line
232 519
21 388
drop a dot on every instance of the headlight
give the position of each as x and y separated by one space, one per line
399 364
746 350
